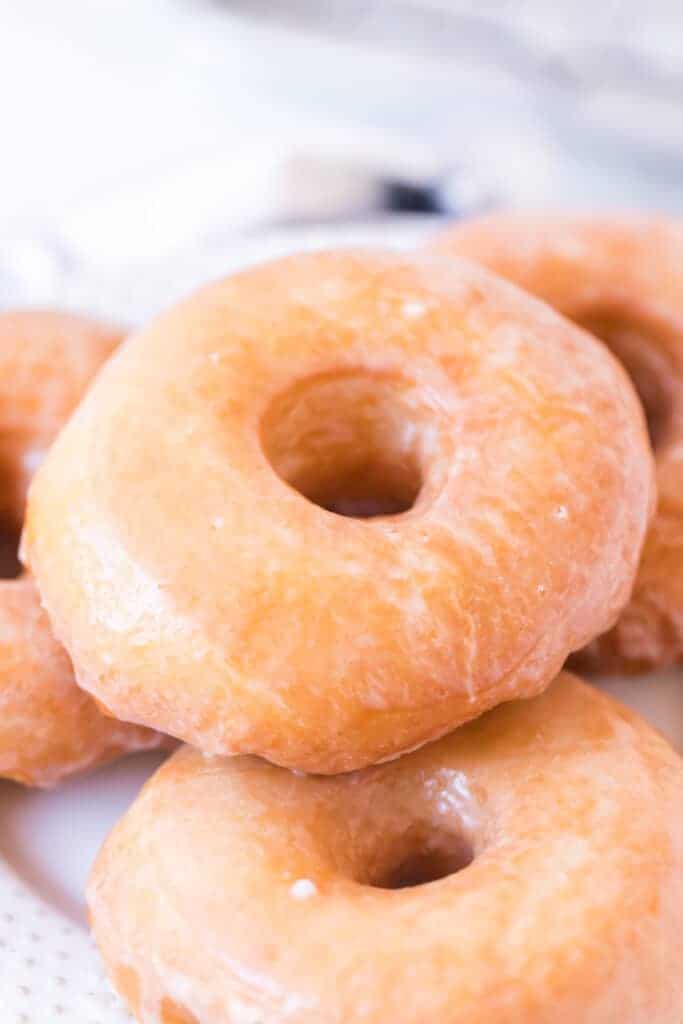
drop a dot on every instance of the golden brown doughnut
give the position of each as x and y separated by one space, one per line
49 728
185 530
47 359
622 279
527 868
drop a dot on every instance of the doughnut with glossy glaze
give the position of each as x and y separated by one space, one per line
622 279
47 359
186 533
527 868
49 728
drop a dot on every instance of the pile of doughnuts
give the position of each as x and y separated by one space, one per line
49 727
336 523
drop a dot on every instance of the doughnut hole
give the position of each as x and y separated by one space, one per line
648 367
435 858
10 566
424 853
14 478
351 442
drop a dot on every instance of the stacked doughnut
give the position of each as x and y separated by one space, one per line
49 727
328 521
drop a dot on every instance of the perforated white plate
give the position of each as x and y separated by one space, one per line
49 969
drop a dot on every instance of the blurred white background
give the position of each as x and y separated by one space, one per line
136 130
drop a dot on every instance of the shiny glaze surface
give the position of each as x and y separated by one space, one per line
234 891
622 279
49 728
185 530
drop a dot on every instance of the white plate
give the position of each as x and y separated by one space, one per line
49 969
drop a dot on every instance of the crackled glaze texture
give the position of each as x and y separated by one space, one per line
622 279
490 460
529 867
49 728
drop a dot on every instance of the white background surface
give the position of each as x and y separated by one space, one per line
134 131
97 95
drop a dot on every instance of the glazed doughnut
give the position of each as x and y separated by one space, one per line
622 279
49 728
47 359
550 831
187 534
